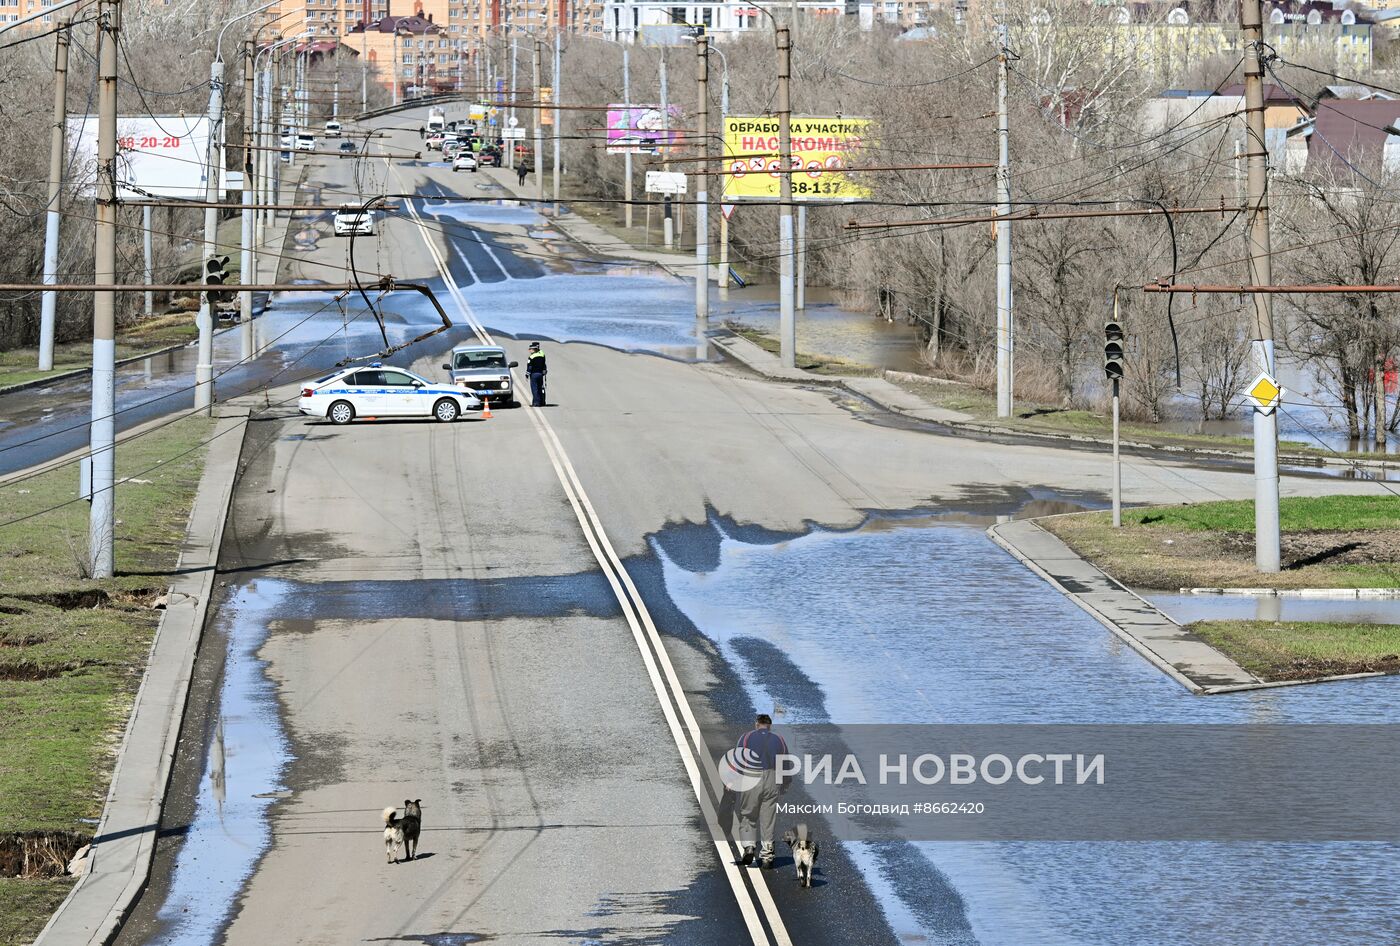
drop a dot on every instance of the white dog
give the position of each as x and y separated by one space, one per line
393 835
804 853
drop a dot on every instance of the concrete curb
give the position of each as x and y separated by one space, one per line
1167 645
120 858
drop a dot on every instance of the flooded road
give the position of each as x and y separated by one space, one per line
935 624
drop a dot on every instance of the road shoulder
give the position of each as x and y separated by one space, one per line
120 856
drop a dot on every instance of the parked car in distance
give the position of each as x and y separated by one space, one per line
451 149
375 391
306 142
464 162
351 219
332 129
484 371
489 158
348 147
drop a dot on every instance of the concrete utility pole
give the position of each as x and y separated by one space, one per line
723 217
247 266
787 316
1266 525
627 153
48 312
539 130
102 444
1005 325
148 257
558 114
801 280
204 366
669 226
702 196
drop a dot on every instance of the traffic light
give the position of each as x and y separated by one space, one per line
216 274
1113 351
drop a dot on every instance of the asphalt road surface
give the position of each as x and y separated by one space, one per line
474 614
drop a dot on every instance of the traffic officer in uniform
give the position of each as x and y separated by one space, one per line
536 368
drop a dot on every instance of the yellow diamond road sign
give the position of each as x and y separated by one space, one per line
1264 392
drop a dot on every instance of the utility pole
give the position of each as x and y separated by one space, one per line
247 265
787 316
1005 325
558 115
627 154
102 444
539 129
723 217
669 226
48 313
148 257
801 280
1266 524
702 197
204 366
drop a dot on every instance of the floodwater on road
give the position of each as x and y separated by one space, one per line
241 779
938 625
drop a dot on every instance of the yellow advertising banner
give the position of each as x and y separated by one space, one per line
821 147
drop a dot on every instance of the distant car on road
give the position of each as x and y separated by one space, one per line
464 161
306 142
450 149
484 371
347 147
376 391
350 219
434 142
489 158
332 129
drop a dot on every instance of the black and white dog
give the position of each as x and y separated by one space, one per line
401 833
804 853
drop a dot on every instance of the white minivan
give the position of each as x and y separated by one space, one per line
306 142
332 129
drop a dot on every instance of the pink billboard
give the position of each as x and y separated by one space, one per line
641 129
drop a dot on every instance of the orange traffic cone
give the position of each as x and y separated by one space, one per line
485 408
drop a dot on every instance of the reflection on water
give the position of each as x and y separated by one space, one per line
827 329
1187 608
229 831
953 630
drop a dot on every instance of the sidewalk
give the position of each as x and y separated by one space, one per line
1167 645
119 858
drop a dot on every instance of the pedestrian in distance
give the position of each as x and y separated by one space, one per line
758 807
536 369
422 132
521 170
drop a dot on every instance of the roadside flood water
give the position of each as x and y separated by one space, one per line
938 625
241 779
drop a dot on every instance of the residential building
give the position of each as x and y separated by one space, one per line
407 52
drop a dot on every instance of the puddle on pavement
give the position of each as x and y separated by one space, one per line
241 780
939 625
434 939
1187 608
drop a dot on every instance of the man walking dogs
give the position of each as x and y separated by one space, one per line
758 808
535 367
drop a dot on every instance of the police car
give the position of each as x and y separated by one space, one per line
374 391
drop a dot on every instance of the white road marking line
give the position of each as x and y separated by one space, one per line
696 757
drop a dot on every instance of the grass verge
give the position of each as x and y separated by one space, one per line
1327 542
73 650
20 900
1304 650
17 366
